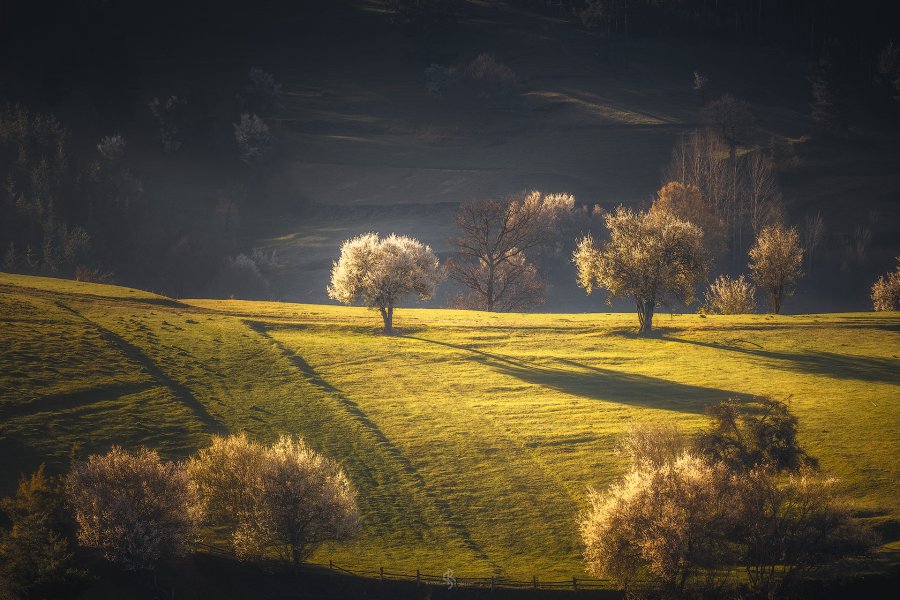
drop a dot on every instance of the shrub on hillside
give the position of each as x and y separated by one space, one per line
886 291
35 559
679 522
663 527
133 506
285 497
490 78
776 260
727 296
170 117
112 147
254 139
752 434
262 94
93 274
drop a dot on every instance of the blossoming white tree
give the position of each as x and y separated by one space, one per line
649 256
285 497
380 272
133 506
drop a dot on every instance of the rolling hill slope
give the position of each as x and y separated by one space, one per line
472 437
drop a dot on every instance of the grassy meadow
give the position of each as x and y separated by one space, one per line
471 437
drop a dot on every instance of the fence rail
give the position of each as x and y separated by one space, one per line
447 579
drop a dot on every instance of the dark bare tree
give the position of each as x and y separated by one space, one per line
733 120
492 250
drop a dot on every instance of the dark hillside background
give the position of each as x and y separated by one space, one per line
361 144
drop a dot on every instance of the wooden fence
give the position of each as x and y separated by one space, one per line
448 579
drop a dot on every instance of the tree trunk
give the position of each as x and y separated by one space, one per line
645 316
387 314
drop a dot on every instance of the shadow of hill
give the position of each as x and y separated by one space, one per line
843 366
597 383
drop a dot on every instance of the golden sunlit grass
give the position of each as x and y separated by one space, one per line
471 437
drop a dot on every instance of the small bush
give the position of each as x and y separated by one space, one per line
489 77
285 497
748 435
170 118
439 79
663 527
886 291
93 274
727 296
254 139
262 94
654 444
134 507
112 147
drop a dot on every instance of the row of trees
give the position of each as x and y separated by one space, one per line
651 256
739 508
138 509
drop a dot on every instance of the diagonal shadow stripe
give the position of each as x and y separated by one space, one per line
53 402
180 391
393 451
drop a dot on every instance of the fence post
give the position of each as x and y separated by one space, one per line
381 574
417 578
574 584
330 570
534 582
492 582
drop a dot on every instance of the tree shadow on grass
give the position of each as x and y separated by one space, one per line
597 383
843 366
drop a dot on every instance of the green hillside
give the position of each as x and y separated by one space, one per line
472 438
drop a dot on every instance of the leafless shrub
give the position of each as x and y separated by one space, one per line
253 138
886 291
654 444
93 274
134 507
262 95
732 119
112 147
791 525
698 83
749 434
490 78
170 119
727 296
